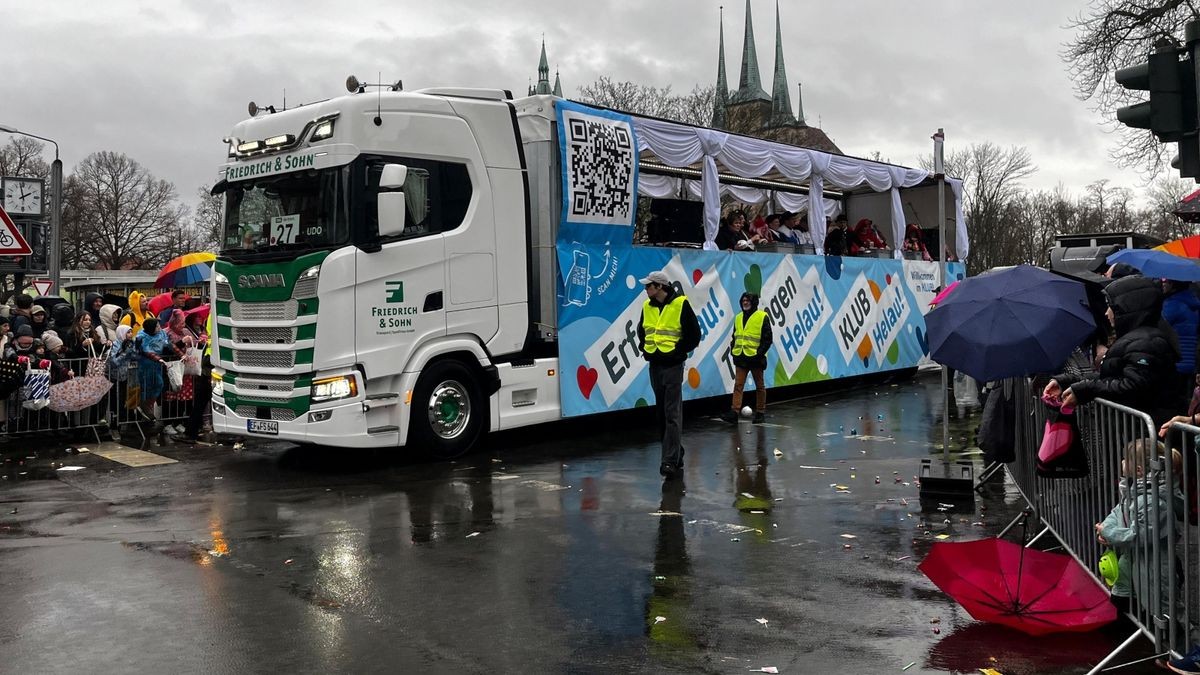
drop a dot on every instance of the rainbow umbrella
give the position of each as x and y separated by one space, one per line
1188 247
186 270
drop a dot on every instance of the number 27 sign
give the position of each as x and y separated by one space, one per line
284 229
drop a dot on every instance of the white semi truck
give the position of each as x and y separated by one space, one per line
390 276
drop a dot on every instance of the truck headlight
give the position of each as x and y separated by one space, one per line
218 384
333 388
220 278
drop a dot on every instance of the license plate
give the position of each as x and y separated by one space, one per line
262 427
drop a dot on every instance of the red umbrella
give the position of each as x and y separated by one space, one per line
160 302
1033 591
201 310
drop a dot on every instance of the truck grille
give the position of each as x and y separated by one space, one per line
264 311
264 336
257 383
277 414
305 288
224 292
263 359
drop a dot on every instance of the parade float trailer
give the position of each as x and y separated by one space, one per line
415 269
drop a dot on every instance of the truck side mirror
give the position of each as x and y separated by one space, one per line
391 200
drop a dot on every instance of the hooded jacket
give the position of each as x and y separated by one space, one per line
1141 360
90 300
107 325
1135 521
135 316
62 317
1182 310
759 360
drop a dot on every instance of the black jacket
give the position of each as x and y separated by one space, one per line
759 360
687 342
1139 367
727 238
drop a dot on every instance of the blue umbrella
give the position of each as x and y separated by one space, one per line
1157 264
1017 321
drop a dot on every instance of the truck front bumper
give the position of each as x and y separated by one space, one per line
342 426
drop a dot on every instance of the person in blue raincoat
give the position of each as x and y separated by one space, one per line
150 345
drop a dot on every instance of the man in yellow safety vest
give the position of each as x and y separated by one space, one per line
667 332
751 339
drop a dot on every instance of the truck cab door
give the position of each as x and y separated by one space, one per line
400 301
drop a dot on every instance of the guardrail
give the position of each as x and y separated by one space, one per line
116 412
1147 491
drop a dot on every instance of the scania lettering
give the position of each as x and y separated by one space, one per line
261 280
408 269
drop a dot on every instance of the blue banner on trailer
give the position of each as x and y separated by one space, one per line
831 317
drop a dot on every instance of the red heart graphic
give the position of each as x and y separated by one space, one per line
586 377
697 275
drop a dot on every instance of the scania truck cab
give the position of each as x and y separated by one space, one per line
373 277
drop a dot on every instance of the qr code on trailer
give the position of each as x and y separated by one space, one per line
600 169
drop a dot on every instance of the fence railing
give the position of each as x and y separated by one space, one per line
1142 493
116 411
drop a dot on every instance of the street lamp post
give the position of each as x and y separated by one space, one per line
56 208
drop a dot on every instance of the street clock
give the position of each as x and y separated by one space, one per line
23 196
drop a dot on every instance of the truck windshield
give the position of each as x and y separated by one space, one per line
298 211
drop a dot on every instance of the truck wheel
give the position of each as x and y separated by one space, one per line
448 411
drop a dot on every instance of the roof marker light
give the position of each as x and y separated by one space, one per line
324 130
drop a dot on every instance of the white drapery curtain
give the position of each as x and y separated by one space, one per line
679 145
962 243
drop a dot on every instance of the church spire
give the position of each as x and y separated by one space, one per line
781 103
543 84
750 84
557 84
721 96
800 104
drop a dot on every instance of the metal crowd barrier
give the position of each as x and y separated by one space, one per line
113 413
1155 491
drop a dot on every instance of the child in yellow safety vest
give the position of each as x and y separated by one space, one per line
751 339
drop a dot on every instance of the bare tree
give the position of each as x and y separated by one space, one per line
209 218
642 99
992 179
117 215
1164 195
695 108
22 156
1113 34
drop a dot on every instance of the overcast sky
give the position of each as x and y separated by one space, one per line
164 81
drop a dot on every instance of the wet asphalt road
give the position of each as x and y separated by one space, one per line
552 550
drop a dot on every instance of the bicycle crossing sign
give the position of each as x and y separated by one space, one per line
11 241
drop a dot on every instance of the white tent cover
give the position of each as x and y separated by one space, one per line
683 146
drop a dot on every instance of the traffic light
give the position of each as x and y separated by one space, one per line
1169 77
1187 162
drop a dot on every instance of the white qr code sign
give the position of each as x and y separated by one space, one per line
599 168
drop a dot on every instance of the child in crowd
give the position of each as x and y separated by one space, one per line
1141 516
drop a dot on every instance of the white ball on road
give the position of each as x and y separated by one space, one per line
747 411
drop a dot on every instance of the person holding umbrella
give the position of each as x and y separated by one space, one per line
1141 358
